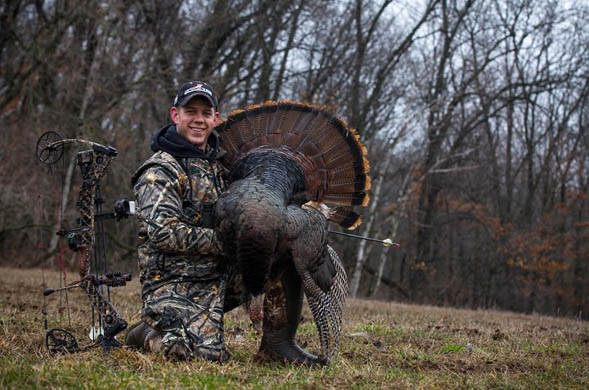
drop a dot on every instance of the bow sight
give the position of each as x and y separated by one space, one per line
88 240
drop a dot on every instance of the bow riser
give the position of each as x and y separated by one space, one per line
93 166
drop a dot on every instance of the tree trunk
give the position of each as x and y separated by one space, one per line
361 256
395 220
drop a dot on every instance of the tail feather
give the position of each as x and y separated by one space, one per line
359 183
345 217
348 198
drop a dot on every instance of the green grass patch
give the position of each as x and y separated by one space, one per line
374 328
450 348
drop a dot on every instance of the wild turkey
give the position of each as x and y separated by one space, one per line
287 159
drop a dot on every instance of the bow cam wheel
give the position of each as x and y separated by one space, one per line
60 341
47 151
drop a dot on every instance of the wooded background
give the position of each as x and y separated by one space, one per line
474 114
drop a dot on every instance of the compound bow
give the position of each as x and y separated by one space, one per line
88 240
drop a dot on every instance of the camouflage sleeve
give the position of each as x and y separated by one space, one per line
159 200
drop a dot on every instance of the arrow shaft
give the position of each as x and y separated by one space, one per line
386 243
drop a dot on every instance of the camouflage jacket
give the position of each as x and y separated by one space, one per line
171 195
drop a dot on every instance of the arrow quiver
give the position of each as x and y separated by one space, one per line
88 240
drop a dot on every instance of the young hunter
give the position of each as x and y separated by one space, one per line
183 272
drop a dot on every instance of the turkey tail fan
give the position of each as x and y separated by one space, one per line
330 153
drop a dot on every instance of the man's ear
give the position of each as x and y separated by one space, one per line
175 114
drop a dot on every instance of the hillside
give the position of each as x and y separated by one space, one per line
385 345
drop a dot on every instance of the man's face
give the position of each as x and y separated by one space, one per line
195 120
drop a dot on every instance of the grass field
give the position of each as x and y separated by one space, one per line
385 345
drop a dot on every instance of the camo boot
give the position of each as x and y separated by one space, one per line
143 336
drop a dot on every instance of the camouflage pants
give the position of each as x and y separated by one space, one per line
189 314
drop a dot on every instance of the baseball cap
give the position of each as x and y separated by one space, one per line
195 88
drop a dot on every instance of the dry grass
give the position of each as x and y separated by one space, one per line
385 345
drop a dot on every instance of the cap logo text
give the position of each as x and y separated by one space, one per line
198 88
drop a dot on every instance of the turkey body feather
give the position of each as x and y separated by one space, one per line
282 155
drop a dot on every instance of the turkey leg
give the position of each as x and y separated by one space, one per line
283 303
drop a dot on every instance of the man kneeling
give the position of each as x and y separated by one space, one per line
183 275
